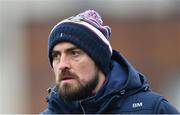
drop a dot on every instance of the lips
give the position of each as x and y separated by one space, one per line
66 75
66 78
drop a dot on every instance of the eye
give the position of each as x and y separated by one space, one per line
75 53
55 55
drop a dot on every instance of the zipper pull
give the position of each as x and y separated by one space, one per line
122 92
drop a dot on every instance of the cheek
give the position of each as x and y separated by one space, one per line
85 70
56 73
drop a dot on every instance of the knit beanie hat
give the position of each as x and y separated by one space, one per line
87 32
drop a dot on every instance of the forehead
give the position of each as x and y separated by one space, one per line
64 46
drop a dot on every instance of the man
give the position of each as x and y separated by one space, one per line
91 77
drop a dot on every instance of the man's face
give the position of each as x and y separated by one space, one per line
76 73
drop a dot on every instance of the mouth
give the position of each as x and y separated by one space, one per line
66 78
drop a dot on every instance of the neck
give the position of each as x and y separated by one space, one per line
102 79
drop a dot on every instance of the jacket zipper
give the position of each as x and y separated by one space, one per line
82 107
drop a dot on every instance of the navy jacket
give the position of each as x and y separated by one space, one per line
125 91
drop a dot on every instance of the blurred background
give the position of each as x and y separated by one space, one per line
146 32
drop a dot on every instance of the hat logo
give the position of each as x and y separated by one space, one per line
61 35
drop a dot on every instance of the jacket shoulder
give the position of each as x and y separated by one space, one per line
146 103
164 107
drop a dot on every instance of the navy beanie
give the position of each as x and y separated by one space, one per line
86 32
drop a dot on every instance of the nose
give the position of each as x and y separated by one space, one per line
64 63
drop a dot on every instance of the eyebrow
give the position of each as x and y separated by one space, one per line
72 48
67 50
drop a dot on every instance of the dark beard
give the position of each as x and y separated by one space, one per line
81 93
